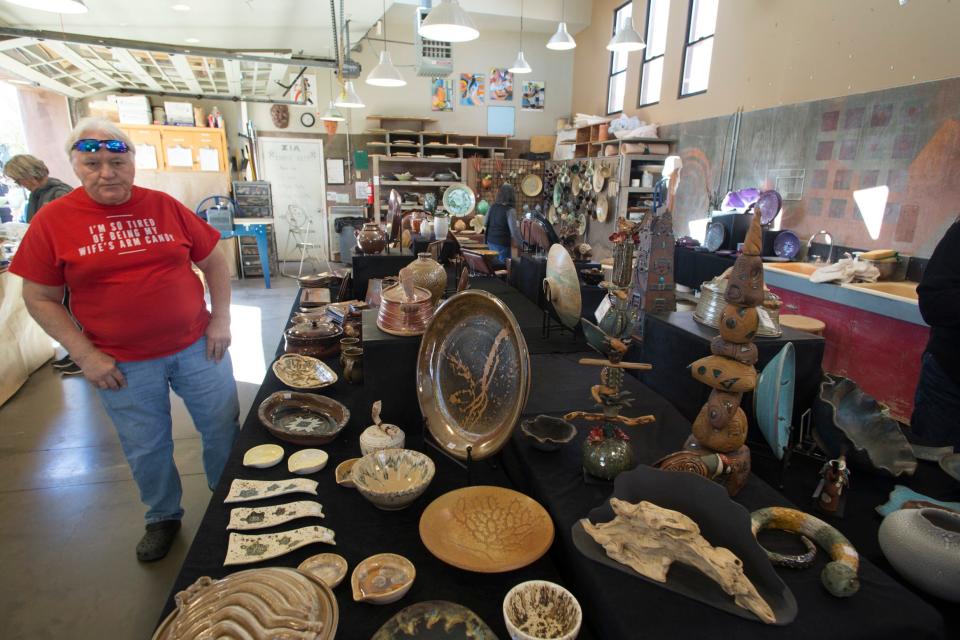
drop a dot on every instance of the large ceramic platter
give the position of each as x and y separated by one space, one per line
486 529
473 374
252 604
531 185
562 286
773 399
459 200
435 620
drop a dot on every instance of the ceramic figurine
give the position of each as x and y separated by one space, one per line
244 549
380 435
745 282
745 353
834 479
738 324
724 374
721 407
729 437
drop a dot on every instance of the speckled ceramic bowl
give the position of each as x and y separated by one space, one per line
541 610
393 478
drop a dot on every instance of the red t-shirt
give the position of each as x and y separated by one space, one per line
128 268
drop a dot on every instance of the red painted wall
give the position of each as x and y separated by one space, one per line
880 354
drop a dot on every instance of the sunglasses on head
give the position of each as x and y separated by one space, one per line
90 145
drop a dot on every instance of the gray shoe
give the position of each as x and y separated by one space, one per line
157 540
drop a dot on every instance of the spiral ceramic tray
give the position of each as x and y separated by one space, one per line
473 374
486 529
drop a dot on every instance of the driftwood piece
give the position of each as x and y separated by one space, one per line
649 539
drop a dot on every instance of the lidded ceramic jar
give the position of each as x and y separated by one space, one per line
428 274
316 338
371 239
923 545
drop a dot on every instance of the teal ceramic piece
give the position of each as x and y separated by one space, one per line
562 286
901 494
773 399
482 207
620 320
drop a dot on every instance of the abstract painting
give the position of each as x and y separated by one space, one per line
533 95
441 95
472 89
501 85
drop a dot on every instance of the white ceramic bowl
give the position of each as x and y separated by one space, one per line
393 478
541 610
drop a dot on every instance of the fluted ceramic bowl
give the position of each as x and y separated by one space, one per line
393 478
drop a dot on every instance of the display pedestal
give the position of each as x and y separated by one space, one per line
390 371
380 265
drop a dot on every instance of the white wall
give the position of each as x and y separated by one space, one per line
554 68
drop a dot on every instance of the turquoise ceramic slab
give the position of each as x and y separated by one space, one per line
773 399
901 494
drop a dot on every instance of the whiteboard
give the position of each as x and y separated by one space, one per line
294 167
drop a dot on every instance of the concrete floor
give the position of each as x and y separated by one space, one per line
70 516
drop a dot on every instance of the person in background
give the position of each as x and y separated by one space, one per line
126 253
936 404
498 230
32 174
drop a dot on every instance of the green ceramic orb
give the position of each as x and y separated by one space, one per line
482 207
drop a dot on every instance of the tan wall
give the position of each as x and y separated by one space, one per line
46 123
773 52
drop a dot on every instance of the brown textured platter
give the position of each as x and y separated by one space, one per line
473 374
258 604
435 620
486 529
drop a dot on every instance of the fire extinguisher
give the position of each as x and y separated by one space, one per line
370 191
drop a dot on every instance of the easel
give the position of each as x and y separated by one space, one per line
466 465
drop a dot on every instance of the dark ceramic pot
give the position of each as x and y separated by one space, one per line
315 338
608 458
371 239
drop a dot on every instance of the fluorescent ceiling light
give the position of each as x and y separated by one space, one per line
332 114
53 6
348 98
385 74
561 40
626 40
180 7
448 22
520 64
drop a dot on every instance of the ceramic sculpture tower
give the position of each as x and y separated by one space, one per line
716 448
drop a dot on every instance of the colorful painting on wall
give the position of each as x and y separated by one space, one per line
472 89
441 95
501 85
533 95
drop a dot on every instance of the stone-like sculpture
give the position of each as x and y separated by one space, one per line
649 539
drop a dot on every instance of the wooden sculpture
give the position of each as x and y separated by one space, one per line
649 539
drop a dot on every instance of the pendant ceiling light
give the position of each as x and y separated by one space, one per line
348 98
53 6
562 40
626 39
520 65
332 114
385 74
448 22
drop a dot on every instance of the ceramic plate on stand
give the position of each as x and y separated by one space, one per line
715 236
459 200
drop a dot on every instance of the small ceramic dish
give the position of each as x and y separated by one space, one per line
344 473
307 461
548 433
306 419
382 579
393 478
328 568
538 610
303 372
263 456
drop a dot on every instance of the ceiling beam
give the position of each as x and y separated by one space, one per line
210 96
27 73
64 51
182 65
158 47
125 57
232 69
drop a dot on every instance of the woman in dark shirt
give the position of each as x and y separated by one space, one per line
498 229
32 174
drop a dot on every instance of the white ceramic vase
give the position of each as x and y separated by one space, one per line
923 545
441 225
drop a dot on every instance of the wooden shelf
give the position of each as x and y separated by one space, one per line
416 183
411 118
406 159
638 189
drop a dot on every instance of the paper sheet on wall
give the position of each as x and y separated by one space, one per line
209 159
179 157
362 189
146 156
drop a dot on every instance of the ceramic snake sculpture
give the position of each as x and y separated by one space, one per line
839 577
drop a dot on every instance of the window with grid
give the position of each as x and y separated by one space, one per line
651 70
698 48
618 62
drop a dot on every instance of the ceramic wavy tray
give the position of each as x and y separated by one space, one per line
247 548
245 518
434 620
245 490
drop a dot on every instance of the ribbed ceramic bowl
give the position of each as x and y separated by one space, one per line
393 478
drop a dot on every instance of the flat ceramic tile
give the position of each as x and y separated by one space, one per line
70 570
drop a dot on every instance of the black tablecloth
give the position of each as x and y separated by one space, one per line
380 265
527 272
692 268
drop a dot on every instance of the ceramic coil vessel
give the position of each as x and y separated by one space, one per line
541 610
428 274
923 545
392 479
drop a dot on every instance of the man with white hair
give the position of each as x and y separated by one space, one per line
125 253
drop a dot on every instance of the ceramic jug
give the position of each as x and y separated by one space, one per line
371 239
353 365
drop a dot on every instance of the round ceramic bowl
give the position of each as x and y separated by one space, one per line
382 579
548 433
538 610
344 473
306 419
393 478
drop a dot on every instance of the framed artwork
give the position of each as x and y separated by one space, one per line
472 89
532 95
441 95
500 121
501 85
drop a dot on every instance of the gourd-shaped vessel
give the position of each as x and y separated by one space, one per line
428 274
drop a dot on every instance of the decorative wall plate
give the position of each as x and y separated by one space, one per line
486 529
303 418
435 620
263 456
786 245
246 518
531 185
769 203
598 180
575 184
603 206
329 568
251 604
562 286
473 374
459 200
247 548
246 490
303 372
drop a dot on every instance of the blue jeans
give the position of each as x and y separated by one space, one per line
502 250
141 415
936 406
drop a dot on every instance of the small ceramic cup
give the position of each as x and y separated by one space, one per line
537 610
353 365
346 343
